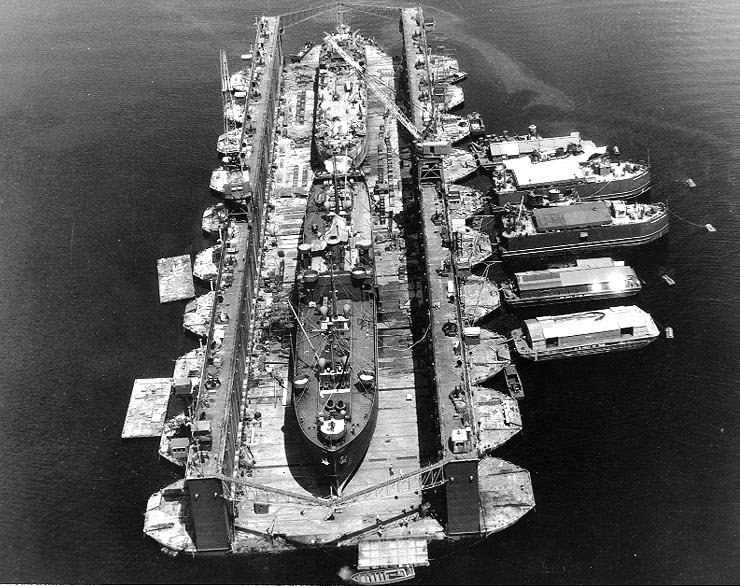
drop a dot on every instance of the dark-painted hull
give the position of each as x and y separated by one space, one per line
588 239
339 465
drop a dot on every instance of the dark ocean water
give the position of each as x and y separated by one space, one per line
108 117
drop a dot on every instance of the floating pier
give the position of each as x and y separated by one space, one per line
175 278
147 408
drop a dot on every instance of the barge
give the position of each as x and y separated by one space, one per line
588 332
595 172
587 280
580 227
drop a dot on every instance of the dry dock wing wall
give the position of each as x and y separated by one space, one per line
209 497
260 114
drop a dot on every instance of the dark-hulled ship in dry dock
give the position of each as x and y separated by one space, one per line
580 227
340 119
335 368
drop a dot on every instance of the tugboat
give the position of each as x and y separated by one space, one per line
340 118
335 395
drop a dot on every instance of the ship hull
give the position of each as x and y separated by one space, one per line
339 465
570 298
623 189
585 239
526 351
617 189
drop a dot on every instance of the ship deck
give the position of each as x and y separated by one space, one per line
553 171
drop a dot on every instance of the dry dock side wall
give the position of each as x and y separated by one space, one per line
268 55
211 512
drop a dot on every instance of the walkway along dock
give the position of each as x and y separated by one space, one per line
249 485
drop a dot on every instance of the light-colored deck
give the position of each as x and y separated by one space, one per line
147 408
175 278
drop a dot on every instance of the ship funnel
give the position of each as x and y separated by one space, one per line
332 240
346 309
310 277
367 378
304 255
324 310
359 272
532 131
300 383
322 363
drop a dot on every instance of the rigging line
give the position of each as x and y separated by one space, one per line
670 211
308 339
429 325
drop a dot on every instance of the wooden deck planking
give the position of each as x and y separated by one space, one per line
175 277
147 408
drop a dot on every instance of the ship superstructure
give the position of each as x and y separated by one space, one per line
585 226
340 120
523 163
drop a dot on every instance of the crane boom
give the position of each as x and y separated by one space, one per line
377 87
226 96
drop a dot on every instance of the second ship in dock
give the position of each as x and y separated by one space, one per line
340 123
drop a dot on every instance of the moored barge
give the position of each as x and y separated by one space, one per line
520 164
580 227
588 279
583 333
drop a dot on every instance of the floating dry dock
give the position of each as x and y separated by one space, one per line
248 485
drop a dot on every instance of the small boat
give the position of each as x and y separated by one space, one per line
297 57
230 181
477 128
383 575
206 264
487 353
452 128
668 280
513 382
459 164
215 218
470 247
479 298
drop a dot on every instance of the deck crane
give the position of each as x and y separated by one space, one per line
229 142
379 88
